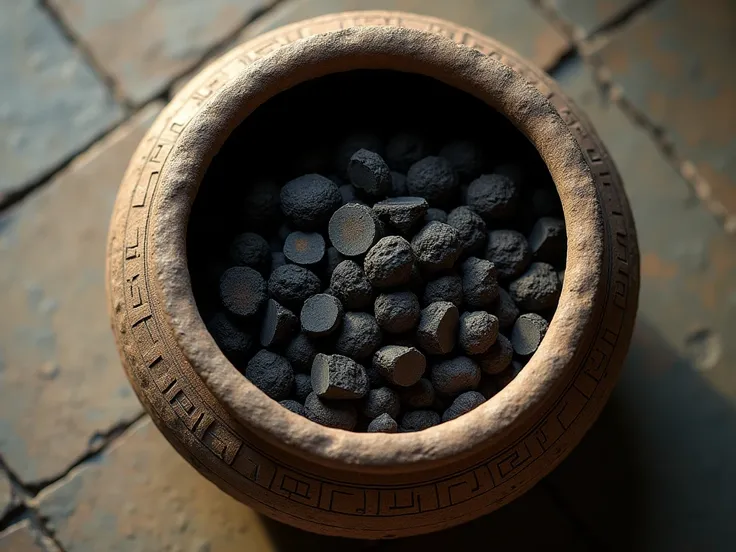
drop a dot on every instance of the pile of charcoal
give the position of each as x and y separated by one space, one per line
397 295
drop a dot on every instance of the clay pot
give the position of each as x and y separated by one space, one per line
331 481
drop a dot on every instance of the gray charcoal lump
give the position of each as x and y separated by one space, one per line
494 197
418 420
404 149
278 325
383 400
478 332
389 263
505 309
321 315
271 373
233 342
291 285
498 357
548 241
455 375
434 179
369 172
353 229
338 377
464 403
436 246
397 312
509 252
242 291
302 386
445 288
472 229
419 395
359 336
353 143
337 414
304 248
537 289
402 366
251 250
437 328
261 204
528 332
435 215
350 285
466 157
300 352
295 407
479 283
308 201
383 424
401 213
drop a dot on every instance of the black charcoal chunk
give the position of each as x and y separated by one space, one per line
348 194
434 179
528 332
300 352
383 424
402 366
419 395
261 205
349 284
277 259
472 229
304 248
321 315
375 379
337 414
359 336
478 332
480 283
249 249
401 212
278 324
455 375
369 172
445 288
548 241
295 407
353 143
338 377
418 420
464 403
291 285
242 291
389 262
436 246
497 358
404 149
353 229
435 215
509 252
334 258
537 289
310 200
383 400
437 328
302 386
232 341
494 197
505 309
271 373
397 312
398 184
466 157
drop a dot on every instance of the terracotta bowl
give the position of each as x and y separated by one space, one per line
332 481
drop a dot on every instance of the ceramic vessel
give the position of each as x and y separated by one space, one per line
327 480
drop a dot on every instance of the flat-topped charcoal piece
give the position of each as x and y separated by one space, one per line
338 377
242 291
304 248
402 366
548 242
369 172
321 315
437 328
528 332
352 143
278 324
401 213
353 229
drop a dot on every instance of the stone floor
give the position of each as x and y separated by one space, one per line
81 467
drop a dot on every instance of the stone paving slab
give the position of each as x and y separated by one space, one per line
52 105
23 538
674 64
659 469
588 16
145 44
7 495
61 385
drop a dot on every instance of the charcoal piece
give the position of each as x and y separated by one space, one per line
445 288
497 358
436 246
369 172
261 205
302 386
548 241
383 400
463 403
466 157
383 424
338 377
404 149
472 229
401 212
418 420
277 259
304 248
334 258
434 179
353 229
509 252
271 373
419 395
478 332
435 215
480 283
494 197
402 366
397 312
537 289
546 202
398 184
310 200
389 262
337 414
232 341
375 379
242 291
300 352
349 284
437 327
278 324
359 336
353 143
505 310
321 315
348 194
455 375
508 375
291 285
528 332
251 250
295 407
487 386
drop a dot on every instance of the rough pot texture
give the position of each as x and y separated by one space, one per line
332 481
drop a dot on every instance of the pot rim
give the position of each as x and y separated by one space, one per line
506 415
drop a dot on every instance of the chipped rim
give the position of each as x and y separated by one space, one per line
513 409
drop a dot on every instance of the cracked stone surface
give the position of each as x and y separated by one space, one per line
24 538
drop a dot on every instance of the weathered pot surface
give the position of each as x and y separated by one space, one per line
333 481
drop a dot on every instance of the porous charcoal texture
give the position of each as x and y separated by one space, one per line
463 404
401 213
304 248
389 262
404 149
397 312
528 332
434 179
261 205
437 327
302 386
242 291
233 342
350 285
375 379
251 250
383 400
300 352
493 196
435 215
353 229
338 377
419 395
359 336
308 201
334 258
472 229
337 414
294 406
399 365
277 259
353 143
436 246
278 324
398 184
445 288
369 172
508 375
505 309
291 285
466 157
548 241
321 315
383 424
480 283
478 332
348 194
418 420
497 358
509 252
537 289
455 375
271 373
